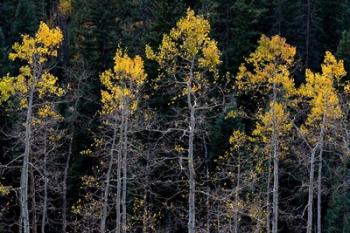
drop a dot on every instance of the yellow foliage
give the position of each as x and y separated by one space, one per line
320 89
238 139
47 111
37 49
189 41
4 190
122 83
271 62
47 85
6 88
276 117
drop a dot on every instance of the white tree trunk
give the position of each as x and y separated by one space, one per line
319 179
191 180
44 215
275 157
24 222
311 191
105 196
238 186
125 178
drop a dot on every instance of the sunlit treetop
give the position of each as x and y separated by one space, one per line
122 83
268 66
320 89
39 48
35 51
188 42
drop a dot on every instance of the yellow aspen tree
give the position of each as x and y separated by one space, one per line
119 99
323 99
266 72
33 82
188 54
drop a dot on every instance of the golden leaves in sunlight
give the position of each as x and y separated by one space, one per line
122 83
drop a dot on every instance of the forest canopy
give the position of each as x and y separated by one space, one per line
160 116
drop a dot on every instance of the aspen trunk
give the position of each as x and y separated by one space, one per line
207 201
319 191
146 224
125 178
65 179
119 178
107 185
33 201
311 191
275 158
24 222
268 194
319 179
44 215
191 180
235 214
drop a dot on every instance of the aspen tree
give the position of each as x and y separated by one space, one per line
119 102
322 98
188 53
33 82
266 72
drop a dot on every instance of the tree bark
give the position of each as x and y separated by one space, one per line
44 215
24 222
311 191
107 184
275 157
125 178
33 200
119 178
238 186
191 180
268 193
319 179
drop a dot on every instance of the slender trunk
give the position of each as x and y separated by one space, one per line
275 190
24 222
145 219
275 157
119 181
125 178
311 183
319 192
44 216
311 191
33 200
191 181
268 196
319 179
238 186
65 179
207 201
107 184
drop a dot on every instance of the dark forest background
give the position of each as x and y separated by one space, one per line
93 29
